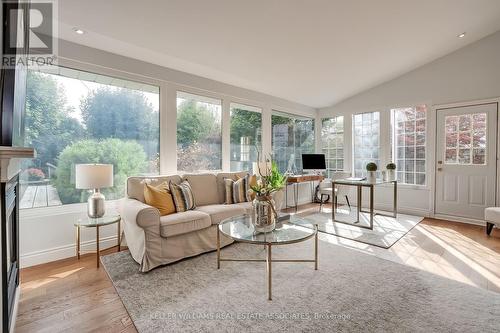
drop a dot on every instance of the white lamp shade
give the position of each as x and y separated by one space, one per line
93 176
265 168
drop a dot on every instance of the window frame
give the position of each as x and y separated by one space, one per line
342 134
72 65
393 147
249 108
381 152
295 117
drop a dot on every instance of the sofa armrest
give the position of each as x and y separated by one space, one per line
143 215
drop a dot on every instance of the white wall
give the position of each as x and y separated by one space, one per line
48 233
469 74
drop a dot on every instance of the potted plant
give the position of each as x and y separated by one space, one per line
372 172
391 171
270 181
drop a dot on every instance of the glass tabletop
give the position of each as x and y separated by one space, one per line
362 182
93 222
240 228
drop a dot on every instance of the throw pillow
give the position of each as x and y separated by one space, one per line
183 196
159 197
237 190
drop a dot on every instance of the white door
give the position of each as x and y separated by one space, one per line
466 160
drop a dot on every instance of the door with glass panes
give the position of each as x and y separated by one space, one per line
466 160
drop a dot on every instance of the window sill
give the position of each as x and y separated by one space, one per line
407 186
76 208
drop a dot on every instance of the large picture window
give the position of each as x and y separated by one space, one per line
77 117
408 148
332 143
292 136
366 138
199 136
246 136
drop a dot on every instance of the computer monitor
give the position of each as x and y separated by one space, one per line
313 163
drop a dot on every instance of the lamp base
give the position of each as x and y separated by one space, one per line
95 204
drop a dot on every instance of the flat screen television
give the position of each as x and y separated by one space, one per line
313 163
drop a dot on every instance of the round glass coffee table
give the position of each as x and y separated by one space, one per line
290 231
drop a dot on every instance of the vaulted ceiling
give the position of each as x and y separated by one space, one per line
316 52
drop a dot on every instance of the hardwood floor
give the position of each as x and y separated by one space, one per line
74 296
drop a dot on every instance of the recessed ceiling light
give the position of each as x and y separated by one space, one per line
462 35
78 31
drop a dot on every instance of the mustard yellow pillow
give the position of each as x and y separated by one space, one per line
159 197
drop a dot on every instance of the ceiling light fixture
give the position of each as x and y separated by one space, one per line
78 31
462 35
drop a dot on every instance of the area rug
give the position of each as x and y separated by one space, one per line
386 230
351 292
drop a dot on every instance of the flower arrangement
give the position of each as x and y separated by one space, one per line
271 180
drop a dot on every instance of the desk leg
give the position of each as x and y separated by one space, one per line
78 242
296 195
119 236
371 207
333 201
360 189
97 244
286 195
395 207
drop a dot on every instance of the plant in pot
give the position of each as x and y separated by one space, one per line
391 171
372 172
264 208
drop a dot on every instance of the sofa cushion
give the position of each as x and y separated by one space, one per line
204 188
135 185
182 223
247 206
220 212
220 182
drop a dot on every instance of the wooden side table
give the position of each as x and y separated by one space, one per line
96 223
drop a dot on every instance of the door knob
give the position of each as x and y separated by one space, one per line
440 162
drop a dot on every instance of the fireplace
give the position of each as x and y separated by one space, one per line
10 246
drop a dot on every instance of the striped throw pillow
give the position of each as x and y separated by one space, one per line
183 196
237 190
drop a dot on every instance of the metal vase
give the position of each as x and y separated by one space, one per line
95 204
264 214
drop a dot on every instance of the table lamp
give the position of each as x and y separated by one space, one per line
94 177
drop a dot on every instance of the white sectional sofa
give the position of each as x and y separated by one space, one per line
155 240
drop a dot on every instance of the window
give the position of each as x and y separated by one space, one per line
408 144
366 137
77 117
291 137
466 139
246 128
332 143
199 136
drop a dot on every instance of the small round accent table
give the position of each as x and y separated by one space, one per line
96 223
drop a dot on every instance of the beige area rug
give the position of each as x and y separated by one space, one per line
386 230
351 292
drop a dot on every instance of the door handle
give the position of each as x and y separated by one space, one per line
440 162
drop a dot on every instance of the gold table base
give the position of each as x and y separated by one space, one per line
269 259
97 251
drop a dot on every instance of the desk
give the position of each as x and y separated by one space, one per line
295 180
370 185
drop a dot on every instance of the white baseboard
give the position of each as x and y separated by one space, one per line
460 219
63 252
